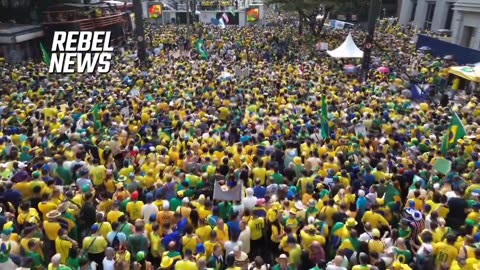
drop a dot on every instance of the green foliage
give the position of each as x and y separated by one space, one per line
310 7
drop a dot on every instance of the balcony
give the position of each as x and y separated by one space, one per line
83 20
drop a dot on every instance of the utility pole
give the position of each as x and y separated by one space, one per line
368 45
188 15
139 31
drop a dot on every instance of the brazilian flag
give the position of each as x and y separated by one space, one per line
45 56
455 132
200 48
325 129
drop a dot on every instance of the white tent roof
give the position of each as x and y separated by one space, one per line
347 50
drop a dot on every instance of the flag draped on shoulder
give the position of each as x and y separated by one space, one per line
200 48
325 129
95 111
45 56
392 195
455 132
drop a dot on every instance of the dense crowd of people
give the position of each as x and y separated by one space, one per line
117 171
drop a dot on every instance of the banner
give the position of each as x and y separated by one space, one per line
232 194
154 11
253 15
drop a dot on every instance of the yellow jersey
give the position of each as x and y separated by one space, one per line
444 254
257 226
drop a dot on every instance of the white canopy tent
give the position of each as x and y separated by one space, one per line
348 49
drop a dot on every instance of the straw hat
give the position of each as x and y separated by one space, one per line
62 207
53 214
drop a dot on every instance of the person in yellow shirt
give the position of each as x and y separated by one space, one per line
115 213
98 175
156 248
165 217
95 245
374 218
203 231
445 253
190 240
329 211
187 263
211 243
46 205
259 172
103 226
63 244
123 257
134 207
308 235
376 244
222 231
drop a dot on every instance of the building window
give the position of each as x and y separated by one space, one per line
467 36
414 9
448 21
430 14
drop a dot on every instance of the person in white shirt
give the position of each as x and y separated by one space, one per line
109 260
250 201
149 209
244 236
367 235
232 244
336 264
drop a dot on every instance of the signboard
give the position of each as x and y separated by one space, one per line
253 15
231 194
154 11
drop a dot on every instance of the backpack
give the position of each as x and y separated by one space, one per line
116 242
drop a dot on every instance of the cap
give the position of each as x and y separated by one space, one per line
94 228
185 200
375 233
200 249
283 256
134 195
140 256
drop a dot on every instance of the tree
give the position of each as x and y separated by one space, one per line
308 10
140 32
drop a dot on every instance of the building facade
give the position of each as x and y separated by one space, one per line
466 24
461 18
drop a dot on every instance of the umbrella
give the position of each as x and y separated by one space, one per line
425 48
383 69
448 57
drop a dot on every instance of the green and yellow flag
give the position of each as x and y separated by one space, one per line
455 132
325 129
45 56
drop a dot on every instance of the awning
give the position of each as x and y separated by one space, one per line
466 72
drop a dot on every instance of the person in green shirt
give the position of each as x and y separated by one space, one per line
25 156
172 252
312 210
175 203
225 210
402 254
37 260
61 172
295 253
74 261
215 261
277 177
